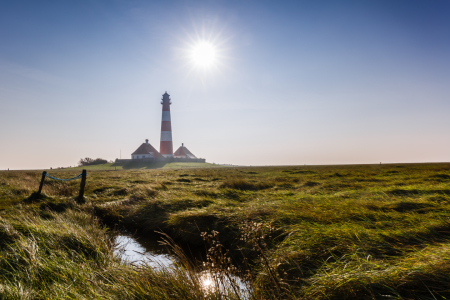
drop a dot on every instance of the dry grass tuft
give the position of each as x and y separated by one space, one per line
244 185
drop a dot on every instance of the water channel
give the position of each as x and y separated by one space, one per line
149 252
144 251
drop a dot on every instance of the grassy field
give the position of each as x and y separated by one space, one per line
300 232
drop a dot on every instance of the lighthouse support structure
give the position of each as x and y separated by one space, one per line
166 146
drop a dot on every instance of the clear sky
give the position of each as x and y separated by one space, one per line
292 82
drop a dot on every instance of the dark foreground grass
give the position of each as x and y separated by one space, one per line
46 255
338 232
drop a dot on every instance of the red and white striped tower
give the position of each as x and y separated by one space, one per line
166 147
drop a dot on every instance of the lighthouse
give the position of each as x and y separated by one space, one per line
146 152
166 147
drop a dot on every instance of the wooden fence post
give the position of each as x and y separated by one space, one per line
82 184
42 182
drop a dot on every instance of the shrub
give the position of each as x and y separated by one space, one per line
90 161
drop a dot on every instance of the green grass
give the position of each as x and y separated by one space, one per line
108 166
340 232
189 165
47 255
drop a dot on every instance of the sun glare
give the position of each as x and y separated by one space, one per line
204 54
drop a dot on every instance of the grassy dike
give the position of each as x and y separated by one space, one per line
137 165
308 232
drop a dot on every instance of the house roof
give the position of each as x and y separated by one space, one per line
183 151
146 148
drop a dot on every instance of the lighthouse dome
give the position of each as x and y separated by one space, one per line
166 96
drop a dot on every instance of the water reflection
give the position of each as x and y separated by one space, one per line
132 251
212 282
150 253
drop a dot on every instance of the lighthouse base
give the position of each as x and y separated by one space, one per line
166 159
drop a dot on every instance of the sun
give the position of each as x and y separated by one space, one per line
204 54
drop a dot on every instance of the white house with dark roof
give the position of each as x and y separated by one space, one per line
146 150
183 152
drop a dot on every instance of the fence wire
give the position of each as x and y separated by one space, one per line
69 179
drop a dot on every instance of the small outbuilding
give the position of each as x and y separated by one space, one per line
183 152
146 151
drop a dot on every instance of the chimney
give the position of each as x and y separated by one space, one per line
146 141
166 147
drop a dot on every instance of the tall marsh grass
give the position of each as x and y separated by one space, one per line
340 232
68 255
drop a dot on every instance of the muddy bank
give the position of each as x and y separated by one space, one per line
150 220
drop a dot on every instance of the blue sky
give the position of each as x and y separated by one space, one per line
296 82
